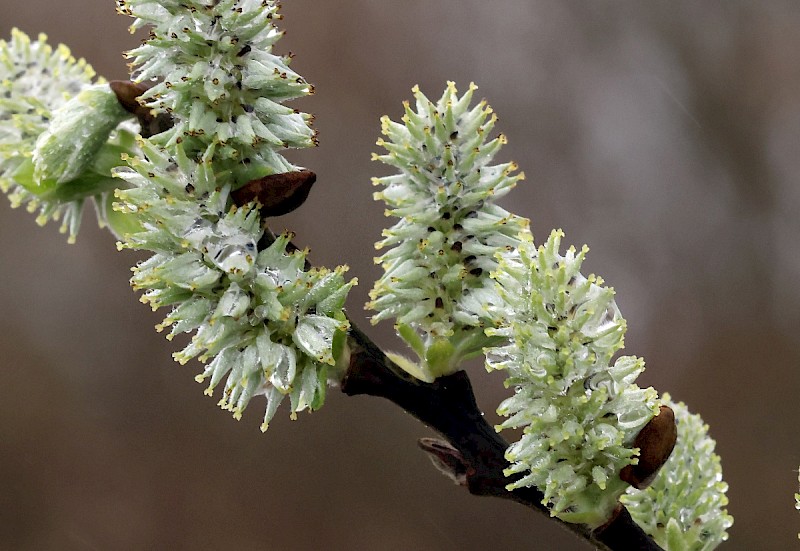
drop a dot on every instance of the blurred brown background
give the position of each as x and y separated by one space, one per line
665 134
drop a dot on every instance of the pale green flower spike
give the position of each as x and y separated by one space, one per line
443 248
579 412
55 150
684 507
259 317
263 321
220 81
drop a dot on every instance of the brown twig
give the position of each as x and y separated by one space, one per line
473 454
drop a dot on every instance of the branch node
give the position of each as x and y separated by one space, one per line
447 459
128 93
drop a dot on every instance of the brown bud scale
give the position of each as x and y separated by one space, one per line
655 442
277 194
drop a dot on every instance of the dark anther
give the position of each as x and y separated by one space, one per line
244 51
